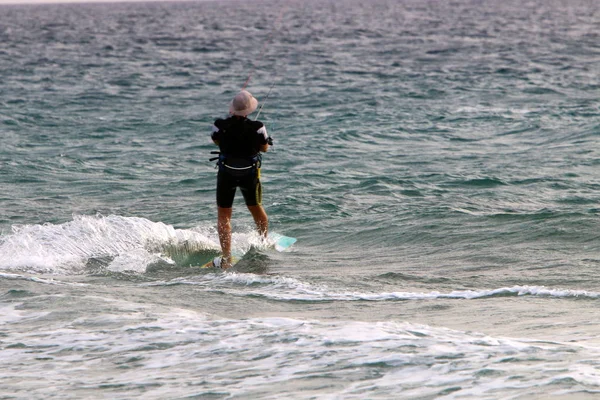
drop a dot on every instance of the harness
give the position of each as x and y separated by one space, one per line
237 166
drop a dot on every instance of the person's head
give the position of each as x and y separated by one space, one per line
243 104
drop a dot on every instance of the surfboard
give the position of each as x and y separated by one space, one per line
276 241
281 242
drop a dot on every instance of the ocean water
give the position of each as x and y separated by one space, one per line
438 161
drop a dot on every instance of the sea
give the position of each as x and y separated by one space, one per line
438 162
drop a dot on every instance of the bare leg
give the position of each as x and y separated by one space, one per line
224 228
260 219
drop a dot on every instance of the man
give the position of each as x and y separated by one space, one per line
240 142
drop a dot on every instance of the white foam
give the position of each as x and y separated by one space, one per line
48 281
66 248
291 289
245 279
138 344
136 260
9 314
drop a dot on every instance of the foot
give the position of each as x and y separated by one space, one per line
221 262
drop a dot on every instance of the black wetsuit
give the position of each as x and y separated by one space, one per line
240 140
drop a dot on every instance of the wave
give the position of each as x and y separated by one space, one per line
113 243
280 288
46 281
361 359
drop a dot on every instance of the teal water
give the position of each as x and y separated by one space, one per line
437 161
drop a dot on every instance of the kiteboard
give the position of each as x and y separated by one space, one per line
276 241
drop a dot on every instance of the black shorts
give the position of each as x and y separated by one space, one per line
249 184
